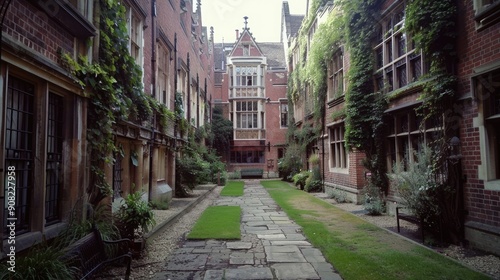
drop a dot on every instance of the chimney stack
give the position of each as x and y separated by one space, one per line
237 34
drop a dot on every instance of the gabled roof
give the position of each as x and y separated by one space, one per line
290 22
246 37
295 23
272 50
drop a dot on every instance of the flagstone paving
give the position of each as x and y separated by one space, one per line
272 246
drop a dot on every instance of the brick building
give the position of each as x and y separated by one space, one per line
250 84
44 111
478 73
398 68
43 127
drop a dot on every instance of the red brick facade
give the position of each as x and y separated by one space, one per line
479 54
260 142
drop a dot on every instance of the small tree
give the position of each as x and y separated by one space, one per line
418 184
291 163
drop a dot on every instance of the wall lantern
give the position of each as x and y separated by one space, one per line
455 154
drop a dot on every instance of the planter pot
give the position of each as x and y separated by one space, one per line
138 246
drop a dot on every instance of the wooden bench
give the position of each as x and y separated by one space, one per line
410 218
251 173
90 254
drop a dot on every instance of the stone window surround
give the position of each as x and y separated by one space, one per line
485 170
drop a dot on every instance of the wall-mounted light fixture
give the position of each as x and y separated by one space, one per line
455 154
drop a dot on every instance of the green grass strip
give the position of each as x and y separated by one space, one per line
218 222
358 249
233 188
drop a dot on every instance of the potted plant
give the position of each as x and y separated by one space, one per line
135 218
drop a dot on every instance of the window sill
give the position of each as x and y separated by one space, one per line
339 170
488 16
68 17
493 185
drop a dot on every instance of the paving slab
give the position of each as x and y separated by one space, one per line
214 275
284 254
293 271
183 262
251 273
239 245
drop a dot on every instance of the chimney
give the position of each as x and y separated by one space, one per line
237 34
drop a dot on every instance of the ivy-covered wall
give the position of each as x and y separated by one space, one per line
352 24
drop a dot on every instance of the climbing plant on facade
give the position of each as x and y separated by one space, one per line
113 84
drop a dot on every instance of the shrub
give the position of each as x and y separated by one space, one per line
40 262
291 163
235 175
299 179
338 195
313 185
374 200
313 182
135 216
417 186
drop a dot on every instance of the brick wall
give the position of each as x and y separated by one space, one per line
476 49
31 27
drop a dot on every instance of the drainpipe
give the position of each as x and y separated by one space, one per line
188 102
153 93
197 100
175 91
205 116
323 117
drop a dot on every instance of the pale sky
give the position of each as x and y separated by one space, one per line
264 17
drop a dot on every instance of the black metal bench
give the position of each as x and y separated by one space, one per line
90 254
410 218
252 173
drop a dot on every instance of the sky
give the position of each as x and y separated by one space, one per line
264 17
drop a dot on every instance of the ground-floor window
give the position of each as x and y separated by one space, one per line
25 129
408 134
487 91
247 157
20 148
338 150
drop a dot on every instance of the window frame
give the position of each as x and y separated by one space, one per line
243 114
41 131
338 154
392 59
335 70
284 114
487 92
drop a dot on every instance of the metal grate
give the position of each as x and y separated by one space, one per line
54 158
19 146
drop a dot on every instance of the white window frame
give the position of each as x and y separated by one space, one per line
243 113
163 75
338 154
136 36
487 91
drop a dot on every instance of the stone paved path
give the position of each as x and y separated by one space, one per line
271 247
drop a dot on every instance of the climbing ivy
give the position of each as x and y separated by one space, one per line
311 69
432 25
360 96
113 85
